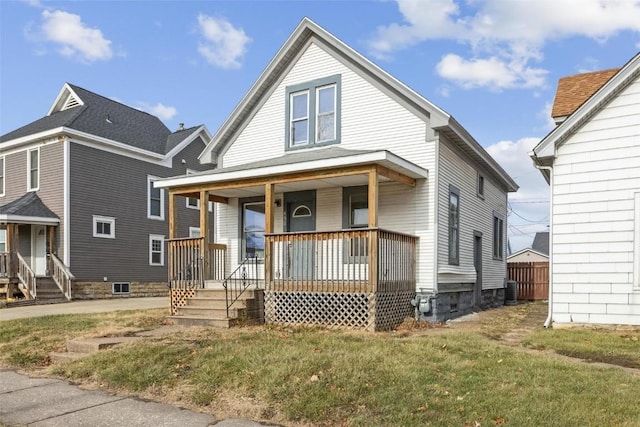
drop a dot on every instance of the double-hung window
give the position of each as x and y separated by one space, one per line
252 228
192 202
498 236
355 214
156 249
313 113
3 240
155 197
454 225
33 168
1 176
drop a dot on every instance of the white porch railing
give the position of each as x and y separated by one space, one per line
61 276
27 278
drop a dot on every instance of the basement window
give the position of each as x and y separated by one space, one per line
120 288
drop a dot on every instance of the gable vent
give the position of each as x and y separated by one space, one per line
71 102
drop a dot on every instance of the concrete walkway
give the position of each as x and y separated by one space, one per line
49 402
88 306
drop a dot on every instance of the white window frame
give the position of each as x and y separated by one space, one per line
193 231
150 180
120 292
105 219
3 238
2 174
481 185
189 199
498 236
152 238
30 186
334 86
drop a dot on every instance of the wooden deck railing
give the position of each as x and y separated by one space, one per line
27 278
61 275
189 268
532 279
5 263
341 261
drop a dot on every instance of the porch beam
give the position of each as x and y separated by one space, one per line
196 195
396 176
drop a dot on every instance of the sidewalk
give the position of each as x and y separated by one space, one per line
87 306
50 402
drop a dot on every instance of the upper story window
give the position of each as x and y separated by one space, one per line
33 168
313 113
104 226
480 186
1 176
155 200
454 225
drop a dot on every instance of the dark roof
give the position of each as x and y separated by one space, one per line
28 205
178 136
106 118
574 90
541 242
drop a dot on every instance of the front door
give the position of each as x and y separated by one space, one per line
39 249
477 263
300 216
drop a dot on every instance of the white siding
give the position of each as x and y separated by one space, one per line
476 214
371 119
595 219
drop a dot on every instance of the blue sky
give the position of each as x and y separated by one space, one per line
492 64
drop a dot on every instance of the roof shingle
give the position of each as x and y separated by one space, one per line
574 90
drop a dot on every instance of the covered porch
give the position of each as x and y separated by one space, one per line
340 273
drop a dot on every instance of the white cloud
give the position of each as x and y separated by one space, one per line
504 35
529 205
545 115
224 45
159 110
73 38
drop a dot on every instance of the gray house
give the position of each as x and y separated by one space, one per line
79 215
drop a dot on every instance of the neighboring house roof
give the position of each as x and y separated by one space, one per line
287 54
84 113
544 153
574 90
28 208
541 243
525 250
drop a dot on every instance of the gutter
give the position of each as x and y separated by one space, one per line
549 169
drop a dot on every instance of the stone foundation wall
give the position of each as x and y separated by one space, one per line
449 305
103 290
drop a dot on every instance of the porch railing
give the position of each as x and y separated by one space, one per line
5 264
27 277
358 260
61 275
190 265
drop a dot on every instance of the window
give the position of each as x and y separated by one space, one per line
104 226
33 166
155 197
313 113
194 232
3 240
120 288
355 214
1 176
454 225
498 236
156 249
252 228
480 186
192 202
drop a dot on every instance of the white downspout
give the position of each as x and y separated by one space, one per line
547 322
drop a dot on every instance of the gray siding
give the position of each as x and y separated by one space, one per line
108 184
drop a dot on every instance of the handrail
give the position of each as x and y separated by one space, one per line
235 286
26 276
61 276
190 276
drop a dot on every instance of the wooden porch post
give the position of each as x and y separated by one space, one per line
12 248
204 232
268 228
373 224
172 235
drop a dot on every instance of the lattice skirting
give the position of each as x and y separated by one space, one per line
338 310
179 298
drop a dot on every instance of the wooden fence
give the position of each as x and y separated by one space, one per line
532 279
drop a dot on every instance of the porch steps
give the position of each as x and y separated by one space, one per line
48 292
79 348
208 308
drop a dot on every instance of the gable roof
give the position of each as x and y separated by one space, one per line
28 208
95 116
525 250
308 30
541 242
574 90
544 152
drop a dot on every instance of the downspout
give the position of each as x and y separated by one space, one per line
549 319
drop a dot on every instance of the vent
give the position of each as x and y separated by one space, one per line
71 102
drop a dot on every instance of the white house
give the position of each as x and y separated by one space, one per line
353 192
592 163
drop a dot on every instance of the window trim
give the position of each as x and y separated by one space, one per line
481 184
347 192
152 238
2 174
197 205
498 237
113 288
312 87
30 187
105 219
3 240
150 180
241 202
191 232
453 260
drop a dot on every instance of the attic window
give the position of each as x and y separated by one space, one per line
71 102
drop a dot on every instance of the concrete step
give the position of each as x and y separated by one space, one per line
214 302
201 321
213 313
